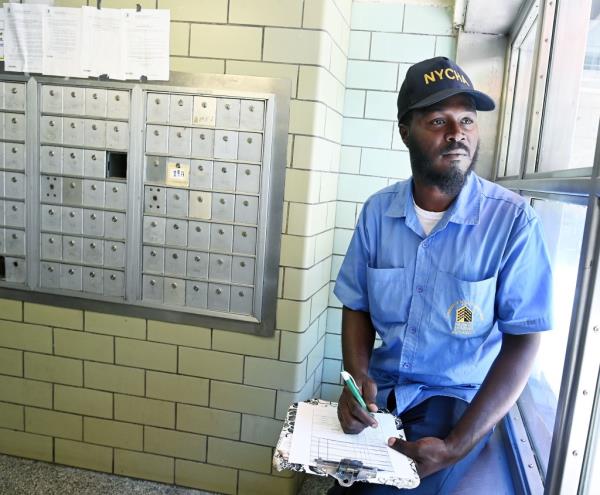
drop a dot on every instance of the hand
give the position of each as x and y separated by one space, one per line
353 418
429 453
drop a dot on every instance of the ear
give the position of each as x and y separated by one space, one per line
404 132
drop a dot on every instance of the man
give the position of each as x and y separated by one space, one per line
452 273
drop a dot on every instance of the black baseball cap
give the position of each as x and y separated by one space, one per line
433 80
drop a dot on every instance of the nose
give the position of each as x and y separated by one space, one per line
454 131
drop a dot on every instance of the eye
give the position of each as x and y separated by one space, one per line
438 121
468 121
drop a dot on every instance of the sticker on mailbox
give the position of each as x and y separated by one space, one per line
178 174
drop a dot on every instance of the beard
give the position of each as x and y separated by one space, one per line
449 181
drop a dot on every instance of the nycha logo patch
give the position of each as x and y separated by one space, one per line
464 315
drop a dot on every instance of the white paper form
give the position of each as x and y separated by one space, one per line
1 34
318 434
23 37
103 42
147 41
62 42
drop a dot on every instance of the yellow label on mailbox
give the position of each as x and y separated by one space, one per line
178 174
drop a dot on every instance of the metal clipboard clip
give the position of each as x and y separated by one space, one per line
347 471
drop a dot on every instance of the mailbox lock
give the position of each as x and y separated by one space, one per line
115 189
157 101
92 274
94 127
224 170
196 288
249 140
113 277
156 162
95 96
115 219
93 245
15 236
13 179
113 248
251 108
199 229
50 269
176 196
117 98
51 212
219 261
13 120
71 243
227 106
51 92
156 133
72 185
14 150
203 104
244 234
153 253
179 134
71 271
197 258
93 157
180 103
51 153
153 282
73 94
221 231
94 187
72 214
72 125
246 203
201 168
175 256
241 294
225 138
51 123
242 264
218 292
202 137
176 227
14 208
51 240
154 224
248 171
13 91
222 201
174 285
93 216
72 155
116 128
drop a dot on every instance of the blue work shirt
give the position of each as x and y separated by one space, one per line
440 303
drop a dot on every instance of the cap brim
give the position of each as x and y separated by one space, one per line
482 101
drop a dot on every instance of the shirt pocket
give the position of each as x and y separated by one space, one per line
463 308
389 298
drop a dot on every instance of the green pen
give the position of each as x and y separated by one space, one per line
351 384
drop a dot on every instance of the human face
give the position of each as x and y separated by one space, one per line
443 141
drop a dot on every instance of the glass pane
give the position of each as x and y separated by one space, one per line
563 226
518 120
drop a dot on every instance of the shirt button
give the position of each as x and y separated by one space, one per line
412 329
419 289
405 365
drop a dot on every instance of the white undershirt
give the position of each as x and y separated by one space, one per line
428 219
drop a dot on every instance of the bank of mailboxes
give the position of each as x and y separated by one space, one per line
154 204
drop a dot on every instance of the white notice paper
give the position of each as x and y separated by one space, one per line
23 37
1 34
62 42
318 435
103 42
147 42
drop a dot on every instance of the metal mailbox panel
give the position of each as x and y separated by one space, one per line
70 277
180 141
177 202
201 174
50 189
241 300
218 297
51 218
252 115
226 145
94 133
242 270
248 178
51 159
93 222
175 261
176 232
72 220
244 240
14 185
117 104
14 156
198 235
152 288
1 216
197 264
72 161
51 247
203 143
52 99
94 163
196 294
72 191
114 254
14 214
219 267
2 241
14 126
117 135
180 109
228 112
153 259
156 169
14 96
157 107
200 205
205 110
73 100
155 200
73 131
49 275
114 225
221 237
1 183
72 249
16 270
224 176
93 252
223 207
157 138
174 291
95 102
93 280
154 230
93 193
250 147
116 195
114 283
51 129
246 209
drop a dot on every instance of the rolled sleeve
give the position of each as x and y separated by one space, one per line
524 292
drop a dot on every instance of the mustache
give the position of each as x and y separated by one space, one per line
455 146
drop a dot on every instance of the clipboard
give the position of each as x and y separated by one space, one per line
345 470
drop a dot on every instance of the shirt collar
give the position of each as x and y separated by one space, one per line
464 210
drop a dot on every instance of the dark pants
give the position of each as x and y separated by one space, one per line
434 417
